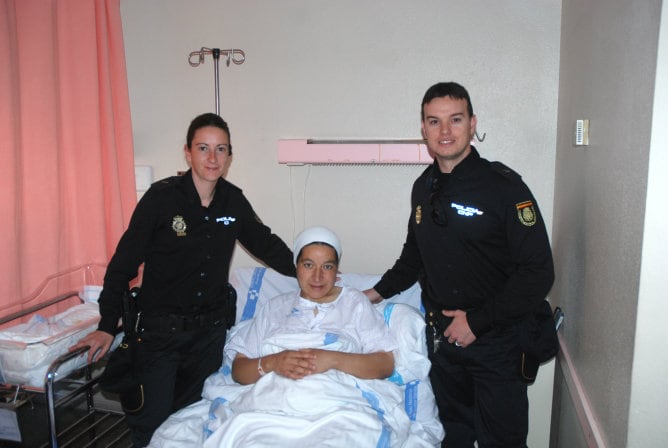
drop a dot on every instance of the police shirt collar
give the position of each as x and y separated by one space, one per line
189 186
462 168
466 165
191 191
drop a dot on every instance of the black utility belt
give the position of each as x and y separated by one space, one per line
433 315
172 323
437 320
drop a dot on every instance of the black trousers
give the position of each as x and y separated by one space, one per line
479 392
173 367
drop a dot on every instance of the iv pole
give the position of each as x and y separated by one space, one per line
233 55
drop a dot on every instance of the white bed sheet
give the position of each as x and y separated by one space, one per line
397 412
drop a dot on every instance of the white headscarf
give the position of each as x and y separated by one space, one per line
316 234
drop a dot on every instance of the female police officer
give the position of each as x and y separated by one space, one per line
184 231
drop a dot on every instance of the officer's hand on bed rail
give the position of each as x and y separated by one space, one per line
373 295
99 342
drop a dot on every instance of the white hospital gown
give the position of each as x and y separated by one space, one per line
350 324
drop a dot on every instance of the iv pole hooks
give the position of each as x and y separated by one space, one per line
233 55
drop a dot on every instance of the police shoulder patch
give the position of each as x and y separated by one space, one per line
526 213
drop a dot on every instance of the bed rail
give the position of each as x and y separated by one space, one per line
39 306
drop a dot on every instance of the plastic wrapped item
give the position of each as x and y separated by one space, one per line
90 293
27 350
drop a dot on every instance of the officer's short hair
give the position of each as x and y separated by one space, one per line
442 89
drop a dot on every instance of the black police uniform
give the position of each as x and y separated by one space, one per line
186 250
476 242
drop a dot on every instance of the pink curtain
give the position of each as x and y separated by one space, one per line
67 184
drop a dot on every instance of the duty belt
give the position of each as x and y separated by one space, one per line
172 323
437 320
434 317
436 324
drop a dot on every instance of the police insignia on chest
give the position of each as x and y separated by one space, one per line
526 213
418 214
179 225
226 220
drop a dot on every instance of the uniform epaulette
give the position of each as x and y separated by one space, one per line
505 171
165 183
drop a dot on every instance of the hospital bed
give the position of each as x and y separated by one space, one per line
49 394
192 426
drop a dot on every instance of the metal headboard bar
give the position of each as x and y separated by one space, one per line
38 307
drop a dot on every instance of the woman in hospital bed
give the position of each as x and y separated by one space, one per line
310 368
316 329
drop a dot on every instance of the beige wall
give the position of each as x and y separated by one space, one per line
649 394
347 69
608 63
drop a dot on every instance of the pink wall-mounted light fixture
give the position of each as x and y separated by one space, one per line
353 152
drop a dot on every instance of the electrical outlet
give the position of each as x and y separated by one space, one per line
581 133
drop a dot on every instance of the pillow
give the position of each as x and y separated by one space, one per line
407 326
255 285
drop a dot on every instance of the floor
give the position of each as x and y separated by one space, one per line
79 424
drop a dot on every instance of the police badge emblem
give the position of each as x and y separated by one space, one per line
179 225
418 214
526 213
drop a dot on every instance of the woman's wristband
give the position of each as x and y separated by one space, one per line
260 370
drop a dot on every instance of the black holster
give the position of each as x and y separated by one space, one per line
538 341
130 311
120 374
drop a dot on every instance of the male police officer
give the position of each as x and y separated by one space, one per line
478 246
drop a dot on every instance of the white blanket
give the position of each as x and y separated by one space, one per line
332 409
